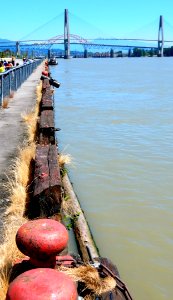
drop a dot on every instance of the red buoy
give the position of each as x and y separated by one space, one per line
42 240
45 73
42 284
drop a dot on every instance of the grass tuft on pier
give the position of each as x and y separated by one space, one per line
64 159
31 118
92 280
5 103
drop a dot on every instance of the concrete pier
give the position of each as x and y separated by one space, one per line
12 129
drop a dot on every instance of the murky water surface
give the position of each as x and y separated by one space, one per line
116 120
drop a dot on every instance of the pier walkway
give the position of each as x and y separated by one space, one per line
12 129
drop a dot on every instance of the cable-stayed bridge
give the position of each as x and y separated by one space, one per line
67 40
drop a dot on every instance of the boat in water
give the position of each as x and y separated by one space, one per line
53 61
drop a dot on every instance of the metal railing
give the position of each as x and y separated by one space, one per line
11 80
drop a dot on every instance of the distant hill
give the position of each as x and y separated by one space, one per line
4 41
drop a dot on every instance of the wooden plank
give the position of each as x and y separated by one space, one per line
46 137
41 174
47 119
47 104
54 170
45 83
47 127
47 100
54 178
85 242
46 199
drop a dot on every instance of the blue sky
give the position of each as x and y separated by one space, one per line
111 18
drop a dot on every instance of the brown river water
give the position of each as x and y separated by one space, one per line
116 120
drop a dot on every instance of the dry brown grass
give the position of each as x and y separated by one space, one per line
12 94
31 118
64 159
22 164
5 103
32 127
20 172
28 153
17 186
90 277
27 117
9 253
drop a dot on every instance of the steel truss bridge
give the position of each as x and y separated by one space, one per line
68 39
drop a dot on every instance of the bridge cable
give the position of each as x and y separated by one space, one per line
41 26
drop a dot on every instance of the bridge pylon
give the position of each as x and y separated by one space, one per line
160 37
17 49
85 53
66 35
112 54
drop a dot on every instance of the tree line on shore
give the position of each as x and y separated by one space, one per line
135 52
138 52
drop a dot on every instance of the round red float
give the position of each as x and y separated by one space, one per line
42 240
42 284
45 73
